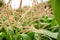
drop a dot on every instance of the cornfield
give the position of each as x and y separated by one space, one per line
39 22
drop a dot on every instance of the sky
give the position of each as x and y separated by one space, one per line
15 3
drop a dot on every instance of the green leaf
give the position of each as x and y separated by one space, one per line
2 34
56 9
9 33
31 34
26 37
18 37
48 33
37 36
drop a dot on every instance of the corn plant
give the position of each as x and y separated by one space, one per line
24 25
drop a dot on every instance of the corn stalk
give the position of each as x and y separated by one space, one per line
56 9
20 4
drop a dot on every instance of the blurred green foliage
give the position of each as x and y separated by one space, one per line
1 3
